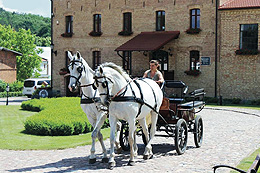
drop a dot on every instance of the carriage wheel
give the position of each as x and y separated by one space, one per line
124 133
181 136
198 131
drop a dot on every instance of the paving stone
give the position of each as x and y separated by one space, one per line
230 134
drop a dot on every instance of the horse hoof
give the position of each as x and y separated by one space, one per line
111 165
105 160
119 150
146 157
131 163
92 161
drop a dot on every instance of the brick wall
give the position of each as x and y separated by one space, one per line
238 74
143 19
7 66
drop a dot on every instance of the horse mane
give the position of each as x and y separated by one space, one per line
117 68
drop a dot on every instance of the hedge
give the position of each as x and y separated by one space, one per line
57 117
16 86
10 94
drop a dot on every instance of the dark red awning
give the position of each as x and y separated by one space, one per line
149 41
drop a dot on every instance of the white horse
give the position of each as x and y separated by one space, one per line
82 75
128 100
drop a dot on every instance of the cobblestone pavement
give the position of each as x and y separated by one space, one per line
229 136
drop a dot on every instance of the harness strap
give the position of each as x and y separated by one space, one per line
141 100
155 106
87 85
90 100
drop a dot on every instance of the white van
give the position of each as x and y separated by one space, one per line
30 85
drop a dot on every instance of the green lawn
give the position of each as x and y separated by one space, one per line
12 136
246 163
238 106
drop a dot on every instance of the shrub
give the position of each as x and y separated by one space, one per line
10 94
256 102
57 117
16 86
209 100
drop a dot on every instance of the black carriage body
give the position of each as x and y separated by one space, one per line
177 115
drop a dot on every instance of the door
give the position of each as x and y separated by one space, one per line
162 57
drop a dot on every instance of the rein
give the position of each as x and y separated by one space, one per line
87 85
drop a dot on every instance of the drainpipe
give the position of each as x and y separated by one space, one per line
52 45
216 50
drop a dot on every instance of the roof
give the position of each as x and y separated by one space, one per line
240 4
149 41
8 50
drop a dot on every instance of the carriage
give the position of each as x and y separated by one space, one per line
177 116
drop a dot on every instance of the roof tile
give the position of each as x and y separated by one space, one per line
233 4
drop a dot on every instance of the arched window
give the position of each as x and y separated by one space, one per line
194 60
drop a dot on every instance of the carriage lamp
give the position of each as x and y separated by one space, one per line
7 90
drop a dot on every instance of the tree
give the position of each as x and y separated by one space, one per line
21 41
41 26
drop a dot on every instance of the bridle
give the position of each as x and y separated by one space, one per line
104 84
80 69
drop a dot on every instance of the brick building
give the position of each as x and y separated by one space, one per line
8 64
239 69
181 34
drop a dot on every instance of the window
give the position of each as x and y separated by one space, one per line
127 60
194 60
160 20
69 24
97 23
248 37
195 18
96 59
127 23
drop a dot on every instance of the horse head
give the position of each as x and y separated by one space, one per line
104 82
78 68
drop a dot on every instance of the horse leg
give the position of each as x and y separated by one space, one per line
99 124
131 139
148 149
118 129
143 124
96 133
112 122
135 145
92 157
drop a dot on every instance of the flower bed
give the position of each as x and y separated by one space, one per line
193 30
246 52
192 72
95 34
125 33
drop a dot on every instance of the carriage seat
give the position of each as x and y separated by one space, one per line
197 97
176 100
192 104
